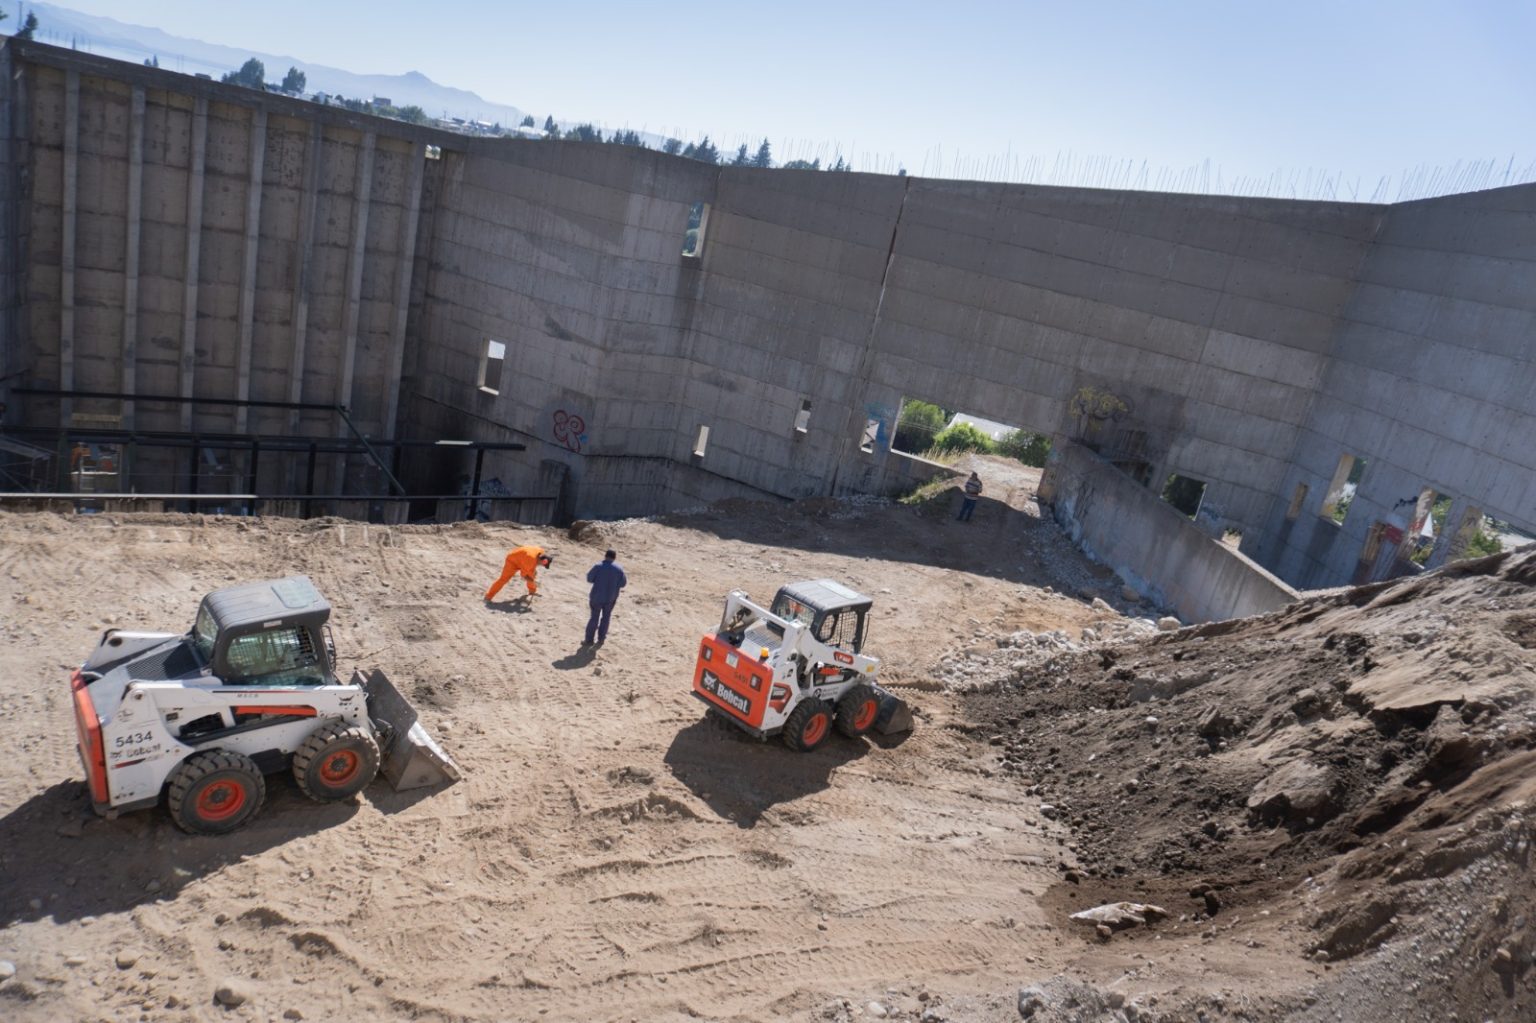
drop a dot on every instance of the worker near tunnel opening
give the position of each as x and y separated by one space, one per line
524 561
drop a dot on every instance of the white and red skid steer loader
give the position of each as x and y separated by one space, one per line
198 719
796 669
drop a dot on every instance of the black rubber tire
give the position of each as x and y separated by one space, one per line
337 761
801 733
202 788
857 711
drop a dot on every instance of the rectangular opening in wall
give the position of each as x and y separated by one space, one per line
1425 526
1478 536
803 417
943 435
698 223
701 442
1185 493
434 152
1298 498
491 361
1342 489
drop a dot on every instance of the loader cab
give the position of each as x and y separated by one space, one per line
833 613
266 633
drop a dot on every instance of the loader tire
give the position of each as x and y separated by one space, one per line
215 792
808 725
337 761
857 711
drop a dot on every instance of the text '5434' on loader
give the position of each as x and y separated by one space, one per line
796 669
199 718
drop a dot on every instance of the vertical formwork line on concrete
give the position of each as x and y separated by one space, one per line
313 156
354 299
248 272
403 282
132 235
10 200
355 260
852 422
67 243
195 169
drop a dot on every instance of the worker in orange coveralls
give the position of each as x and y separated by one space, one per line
523 561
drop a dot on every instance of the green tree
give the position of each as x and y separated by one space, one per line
741 159
840 166
413 114
551 128
526 122
584 133
959 437
152 61
252 75
1029 448
706 151
917 426
672 146
294 80
28 27
764 157
804 164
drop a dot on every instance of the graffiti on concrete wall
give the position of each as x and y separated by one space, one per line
569 429
877 420
1093 408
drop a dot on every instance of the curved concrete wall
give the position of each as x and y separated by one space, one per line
178 234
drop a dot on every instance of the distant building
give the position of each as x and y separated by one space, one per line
996 431
383 101
528 131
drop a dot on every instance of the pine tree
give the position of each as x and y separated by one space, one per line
741 159
550 127
672 146
764 157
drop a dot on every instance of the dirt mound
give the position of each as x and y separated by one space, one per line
1351 775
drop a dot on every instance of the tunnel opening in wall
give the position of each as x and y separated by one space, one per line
938 434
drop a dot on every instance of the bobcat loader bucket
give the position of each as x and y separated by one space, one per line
411 758
895 715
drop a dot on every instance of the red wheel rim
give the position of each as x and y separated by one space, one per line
340 767
866 715
221 800
814 730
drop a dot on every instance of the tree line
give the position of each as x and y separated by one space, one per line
253 74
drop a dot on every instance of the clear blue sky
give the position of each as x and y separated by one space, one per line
1358 90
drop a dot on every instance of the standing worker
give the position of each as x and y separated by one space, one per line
968 504
523 561
607 579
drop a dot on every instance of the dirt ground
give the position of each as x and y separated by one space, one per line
613 854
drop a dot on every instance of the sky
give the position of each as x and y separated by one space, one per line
1344 97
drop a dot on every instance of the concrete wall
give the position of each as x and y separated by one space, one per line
178 236
1152 546
1432 382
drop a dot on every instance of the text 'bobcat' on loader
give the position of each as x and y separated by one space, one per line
199 718
796 669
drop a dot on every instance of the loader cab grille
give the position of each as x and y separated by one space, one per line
281 656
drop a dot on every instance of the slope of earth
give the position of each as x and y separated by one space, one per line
611 853
1333 803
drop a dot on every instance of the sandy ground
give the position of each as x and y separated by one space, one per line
613 854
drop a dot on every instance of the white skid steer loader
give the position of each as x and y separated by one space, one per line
796 669
199 718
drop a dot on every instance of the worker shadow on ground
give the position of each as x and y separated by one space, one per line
60 860
580 659
516 606
741 778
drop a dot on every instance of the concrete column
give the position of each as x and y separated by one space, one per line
67 242
354 298
302 267
131 253
194 250
405 265
248 275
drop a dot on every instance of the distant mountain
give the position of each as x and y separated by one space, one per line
108 37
